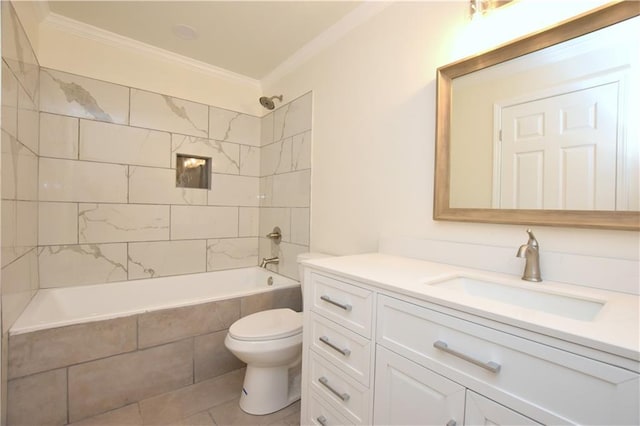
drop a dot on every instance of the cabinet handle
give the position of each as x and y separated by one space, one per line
322 420
344 306
325 340
491 366
324 382
449 423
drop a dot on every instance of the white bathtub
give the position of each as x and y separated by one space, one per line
74 305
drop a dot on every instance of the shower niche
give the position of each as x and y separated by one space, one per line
193 172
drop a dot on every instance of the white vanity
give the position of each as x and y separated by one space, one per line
390 340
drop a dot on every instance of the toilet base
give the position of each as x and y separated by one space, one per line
267 390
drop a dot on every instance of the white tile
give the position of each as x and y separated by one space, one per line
19 284
288 265
300 226
17 51
163 258
276 158
161 112
28 121
249 160
249 222
58 136
272 217
106 223
57 223
85 181
266 129
292 189
191 222
19 229
149 185
229 253
225 156
229 190
83 97
231 126
19 170
301 151
293 118
9 101
69 265
266 191
113 143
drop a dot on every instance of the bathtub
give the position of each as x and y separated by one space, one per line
58 307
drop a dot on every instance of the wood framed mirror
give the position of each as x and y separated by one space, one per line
518 127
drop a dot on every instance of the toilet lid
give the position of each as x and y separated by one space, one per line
267 325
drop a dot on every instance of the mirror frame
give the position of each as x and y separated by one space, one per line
567 30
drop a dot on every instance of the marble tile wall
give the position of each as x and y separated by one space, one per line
172 359
285 182
109 208
19 155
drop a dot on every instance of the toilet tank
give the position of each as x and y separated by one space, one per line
307 256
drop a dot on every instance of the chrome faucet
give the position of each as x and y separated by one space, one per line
531 252
267 261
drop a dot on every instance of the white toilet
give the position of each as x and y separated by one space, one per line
270 343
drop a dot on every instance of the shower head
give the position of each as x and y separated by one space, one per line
268 102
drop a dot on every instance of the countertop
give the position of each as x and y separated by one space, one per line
615 329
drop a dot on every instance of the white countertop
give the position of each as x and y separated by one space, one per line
615 329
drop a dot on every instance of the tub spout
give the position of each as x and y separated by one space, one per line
267 261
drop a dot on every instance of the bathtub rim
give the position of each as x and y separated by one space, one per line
17 328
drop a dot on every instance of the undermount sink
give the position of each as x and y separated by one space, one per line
556 304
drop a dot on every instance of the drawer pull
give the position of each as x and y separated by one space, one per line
344 306
343 396
325 340
322 420
491 366
449 423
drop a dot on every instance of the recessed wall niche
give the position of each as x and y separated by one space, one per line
193 172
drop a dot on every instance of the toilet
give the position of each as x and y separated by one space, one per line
270 343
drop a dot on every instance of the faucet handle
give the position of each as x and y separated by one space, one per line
532 238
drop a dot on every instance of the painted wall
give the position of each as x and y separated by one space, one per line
374 131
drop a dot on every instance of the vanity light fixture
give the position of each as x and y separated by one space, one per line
478 8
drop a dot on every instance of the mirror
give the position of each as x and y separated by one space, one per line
543 130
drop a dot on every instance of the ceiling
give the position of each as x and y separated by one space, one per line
250 38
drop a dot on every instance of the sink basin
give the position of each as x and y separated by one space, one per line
556 304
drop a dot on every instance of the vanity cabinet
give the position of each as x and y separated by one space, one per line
373 356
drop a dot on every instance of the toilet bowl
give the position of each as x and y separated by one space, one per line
270 343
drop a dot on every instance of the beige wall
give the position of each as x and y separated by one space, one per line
374 127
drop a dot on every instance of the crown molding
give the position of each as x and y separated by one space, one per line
332 34
90 32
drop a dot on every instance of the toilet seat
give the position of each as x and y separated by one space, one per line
267 325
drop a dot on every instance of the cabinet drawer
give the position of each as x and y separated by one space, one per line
522 374
343 303
482 411
349 351
322 414
348 396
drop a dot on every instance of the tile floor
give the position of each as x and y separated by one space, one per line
228 413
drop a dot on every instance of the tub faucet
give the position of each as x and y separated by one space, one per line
531 252
266 261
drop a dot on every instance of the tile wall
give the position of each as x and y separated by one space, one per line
109 209
18 176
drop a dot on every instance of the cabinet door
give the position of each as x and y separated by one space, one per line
483 411
409 394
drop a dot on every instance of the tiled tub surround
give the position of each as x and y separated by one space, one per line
285 182
171 362
109 209
19 168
